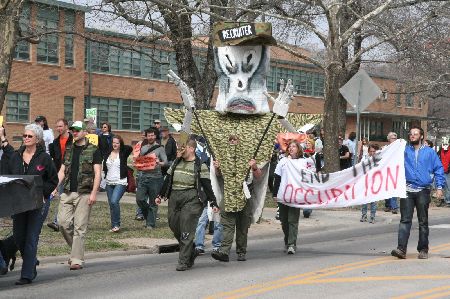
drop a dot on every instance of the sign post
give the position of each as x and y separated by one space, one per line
360 91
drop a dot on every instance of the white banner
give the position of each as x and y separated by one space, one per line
379 177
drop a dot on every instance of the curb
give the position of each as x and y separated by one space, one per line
155 249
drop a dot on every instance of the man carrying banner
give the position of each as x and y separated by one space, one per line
421 164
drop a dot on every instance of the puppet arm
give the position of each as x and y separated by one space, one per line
187 94
282 102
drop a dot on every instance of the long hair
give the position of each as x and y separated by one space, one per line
299 147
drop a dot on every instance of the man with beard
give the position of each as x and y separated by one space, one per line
444 155
80 173
57 151
421 165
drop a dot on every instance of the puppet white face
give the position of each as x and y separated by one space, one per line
242 79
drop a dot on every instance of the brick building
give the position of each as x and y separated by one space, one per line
66 73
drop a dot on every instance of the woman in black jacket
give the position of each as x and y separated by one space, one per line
116 169
30 159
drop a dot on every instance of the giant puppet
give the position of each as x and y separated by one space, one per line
241 128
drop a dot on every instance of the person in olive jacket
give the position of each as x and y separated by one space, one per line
30 159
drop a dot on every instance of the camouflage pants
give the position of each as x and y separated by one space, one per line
239 221
183 212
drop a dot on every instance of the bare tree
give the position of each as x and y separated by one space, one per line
184 26
9 14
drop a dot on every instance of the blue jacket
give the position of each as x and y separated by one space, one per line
428 166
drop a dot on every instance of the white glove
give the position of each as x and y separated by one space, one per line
186 93
281 103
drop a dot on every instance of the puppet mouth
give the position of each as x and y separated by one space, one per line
241 104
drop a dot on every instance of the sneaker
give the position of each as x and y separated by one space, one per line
398 253
182 267
394 211
372 220
423 255
139 218
291 250
53 226
220 256
115 229
241 257
277 215
363 218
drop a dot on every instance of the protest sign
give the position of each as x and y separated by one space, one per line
91 113
93 139
379 177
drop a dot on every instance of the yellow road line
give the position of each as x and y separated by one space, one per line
315 272
305 281
272 285
439 295
426 292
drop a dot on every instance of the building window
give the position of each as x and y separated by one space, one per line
68 108
398 99
48 20
305 83
376 131
22 49
420 104
69 26
17 107
124 114
409 101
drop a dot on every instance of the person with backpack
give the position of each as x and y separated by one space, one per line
188 187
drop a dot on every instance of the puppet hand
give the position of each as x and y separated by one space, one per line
281 103
186 92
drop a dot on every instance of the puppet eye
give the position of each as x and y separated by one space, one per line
232 69
247 65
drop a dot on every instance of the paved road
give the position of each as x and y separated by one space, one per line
348 262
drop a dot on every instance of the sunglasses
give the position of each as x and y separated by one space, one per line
27 136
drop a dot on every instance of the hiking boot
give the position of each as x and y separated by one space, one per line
441 203
363 218
241 257
291 250
220 256
423 255
387 209
182 267
394 211
398 253
372 220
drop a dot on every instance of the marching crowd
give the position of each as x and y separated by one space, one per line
73 169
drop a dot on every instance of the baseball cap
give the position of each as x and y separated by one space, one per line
78 125
156 121
39 118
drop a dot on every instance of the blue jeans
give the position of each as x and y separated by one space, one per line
447 189
373 209
115 193
420 201
391 203
2 261
26 229
201 230
148 187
